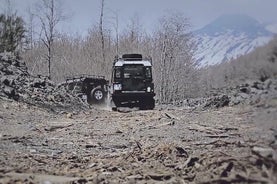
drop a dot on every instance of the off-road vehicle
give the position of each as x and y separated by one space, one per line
132 83
92 88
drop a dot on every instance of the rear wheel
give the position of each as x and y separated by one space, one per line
117 102
151 104
147 104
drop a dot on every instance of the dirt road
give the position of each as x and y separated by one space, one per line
171 145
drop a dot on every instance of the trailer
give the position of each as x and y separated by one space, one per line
92 88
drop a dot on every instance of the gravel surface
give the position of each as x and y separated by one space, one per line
166 145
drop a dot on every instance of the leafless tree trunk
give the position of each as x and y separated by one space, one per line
162 70
9 8
31 29
116 33
101 30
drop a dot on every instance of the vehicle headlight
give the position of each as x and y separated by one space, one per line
117 87
148 89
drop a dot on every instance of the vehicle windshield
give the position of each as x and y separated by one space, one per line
133 71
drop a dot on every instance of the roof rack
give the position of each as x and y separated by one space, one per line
131 57
83 76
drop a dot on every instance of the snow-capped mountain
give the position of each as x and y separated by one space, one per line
272 28
228 37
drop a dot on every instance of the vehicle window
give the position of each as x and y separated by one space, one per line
148 73
117 73
133 71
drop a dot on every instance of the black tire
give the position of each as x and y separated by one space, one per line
97 95
112 104
151 104
147 104
117 102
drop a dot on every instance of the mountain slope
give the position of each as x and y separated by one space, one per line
229 36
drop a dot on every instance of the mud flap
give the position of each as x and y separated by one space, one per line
111 103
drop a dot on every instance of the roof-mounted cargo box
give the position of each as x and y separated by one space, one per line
132 57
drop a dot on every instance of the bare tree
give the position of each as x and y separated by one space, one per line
50 15
116 29
131 36
101 29
173 57
30 28
8 8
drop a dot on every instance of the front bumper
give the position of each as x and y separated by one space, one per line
132 95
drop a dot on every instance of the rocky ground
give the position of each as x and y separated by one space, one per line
177 145
46 137
17 84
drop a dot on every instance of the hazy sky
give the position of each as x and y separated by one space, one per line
85 13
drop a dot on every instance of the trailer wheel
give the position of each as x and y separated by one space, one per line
97 95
